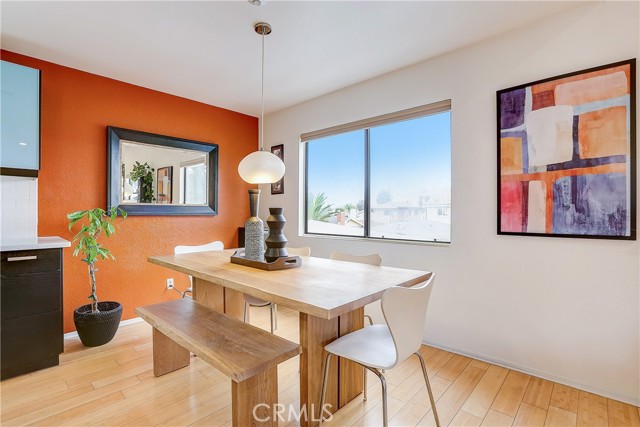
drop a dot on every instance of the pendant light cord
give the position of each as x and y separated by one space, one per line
262 98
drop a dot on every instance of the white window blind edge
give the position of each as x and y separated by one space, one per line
194 162
410 113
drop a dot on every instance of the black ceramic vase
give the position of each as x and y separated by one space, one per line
276 241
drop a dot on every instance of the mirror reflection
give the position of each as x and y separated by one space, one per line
162 175
150 174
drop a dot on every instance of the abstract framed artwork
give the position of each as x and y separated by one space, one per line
566 155
278 187
164 184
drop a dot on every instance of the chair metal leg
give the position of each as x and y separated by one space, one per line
271 316
426 380
275 316
364 370
364 383
385 415
324 387
189 290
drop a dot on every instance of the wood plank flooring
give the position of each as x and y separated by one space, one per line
113 385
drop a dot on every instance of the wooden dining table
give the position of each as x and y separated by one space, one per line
330 296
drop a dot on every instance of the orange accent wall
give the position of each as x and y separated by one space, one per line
76 108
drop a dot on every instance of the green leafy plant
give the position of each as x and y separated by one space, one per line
144 174
97 221
318 209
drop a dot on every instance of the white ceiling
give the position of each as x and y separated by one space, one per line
208 51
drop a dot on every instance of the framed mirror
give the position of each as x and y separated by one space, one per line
151 174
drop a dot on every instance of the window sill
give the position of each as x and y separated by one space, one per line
376 240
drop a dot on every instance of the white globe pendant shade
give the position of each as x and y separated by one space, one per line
261 167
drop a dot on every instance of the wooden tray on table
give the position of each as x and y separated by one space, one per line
279 264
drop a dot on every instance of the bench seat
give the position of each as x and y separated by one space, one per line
249 356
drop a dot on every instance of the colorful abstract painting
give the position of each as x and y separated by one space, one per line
566 155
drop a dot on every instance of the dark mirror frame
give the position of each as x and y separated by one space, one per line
114 135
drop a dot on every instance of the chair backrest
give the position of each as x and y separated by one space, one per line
405 311
185 249
213 246
302 251
373 259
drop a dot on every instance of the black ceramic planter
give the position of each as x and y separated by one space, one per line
96 329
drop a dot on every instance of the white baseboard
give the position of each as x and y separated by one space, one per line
635 401
74 334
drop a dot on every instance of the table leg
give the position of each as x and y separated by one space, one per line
209 294
350 372
315 333
167 355
234 304
219 298
345 377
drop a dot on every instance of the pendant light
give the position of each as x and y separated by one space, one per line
261 167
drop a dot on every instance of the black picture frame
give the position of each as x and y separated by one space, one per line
167 194
278 187
115 135
593 171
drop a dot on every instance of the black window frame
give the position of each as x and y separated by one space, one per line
379 121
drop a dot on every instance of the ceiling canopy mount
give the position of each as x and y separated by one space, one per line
262 28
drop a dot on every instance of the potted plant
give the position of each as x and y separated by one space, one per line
143 173
97 322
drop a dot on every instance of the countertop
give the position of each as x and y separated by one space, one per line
38 243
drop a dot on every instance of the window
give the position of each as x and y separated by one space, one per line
387 177
193 176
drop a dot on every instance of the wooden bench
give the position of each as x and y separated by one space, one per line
247 355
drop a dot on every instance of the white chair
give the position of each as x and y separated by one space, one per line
250 301
301 251
371 259
213 246
381 347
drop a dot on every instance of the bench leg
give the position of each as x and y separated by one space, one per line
259 392
167 355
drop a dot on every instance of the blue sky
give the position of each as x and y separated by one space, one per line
408 159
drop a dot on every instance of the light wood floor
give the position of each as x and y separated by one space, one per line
113 385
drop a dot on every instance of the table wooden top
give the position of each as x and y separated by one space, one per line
235 348
321 287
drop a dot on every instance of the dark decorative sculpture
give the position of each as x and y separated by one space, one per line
276 241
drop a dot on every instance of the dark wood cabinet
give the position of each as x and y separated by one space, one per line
31 310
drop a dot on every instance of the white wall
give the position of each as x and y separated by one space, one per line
564 309
19 213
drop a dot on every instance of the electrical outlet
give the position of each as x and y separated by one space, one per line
170 283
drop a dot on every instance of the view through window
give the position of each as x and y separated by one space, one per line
387 181
193 176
